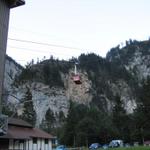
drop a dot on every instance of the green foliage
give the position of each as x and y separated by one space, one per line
123 55
47 72
91 62
71 122
86 129
113 53
85 125
126 148
6 110
27 74
142 113
121 120
51 75
133 148
101 71
29 113
61 117
48 124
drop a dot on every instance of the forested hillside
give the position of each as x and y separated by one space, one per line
112 100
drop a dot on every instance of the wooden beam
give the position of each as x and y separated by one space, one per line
15 3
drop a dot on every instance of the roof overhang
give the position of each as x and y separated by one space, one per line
15 132
15 3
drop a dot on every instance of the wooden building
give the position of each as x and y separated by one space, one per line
5 6
22 136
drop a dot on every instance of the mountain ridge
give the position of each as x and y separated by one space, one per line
121 73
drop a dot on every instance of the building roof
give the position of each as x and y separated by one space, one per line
18 122
16 130
15 3
25 133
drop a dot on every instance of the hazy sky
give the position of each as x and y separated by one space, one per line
67 28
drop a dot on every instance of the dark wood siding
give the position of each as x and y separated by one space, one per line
4 19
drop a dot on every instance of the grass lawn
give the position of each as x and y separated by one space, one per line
128 148
132 148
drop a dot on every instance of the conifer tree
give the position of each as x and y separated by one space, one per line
120 119
29 113
142 113
48 123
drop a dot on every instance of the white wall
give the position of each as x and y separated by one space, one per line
29 145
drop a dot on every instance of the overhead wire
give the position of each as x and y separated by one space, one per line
35 33
41 51
41 43
37 50
45 44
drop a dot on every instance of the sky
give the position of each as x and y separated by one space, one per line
67 28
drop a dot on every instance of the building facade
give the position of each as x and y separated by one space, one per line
5 6
22 136
4 19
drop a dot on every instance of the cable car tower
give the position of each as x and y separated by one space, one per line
76 77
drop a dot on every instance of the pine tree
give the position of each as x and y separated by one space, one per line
29 113
120 120
142 113
50 120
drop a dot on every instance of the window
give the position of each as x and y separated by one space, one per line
21 141
46 141
34 140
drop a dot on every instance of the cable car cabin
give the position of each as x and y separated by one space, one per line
77 79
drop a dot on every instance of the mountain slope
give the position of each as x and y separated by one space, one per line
50 81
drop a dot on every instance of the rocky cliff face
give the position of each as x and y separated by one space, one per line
44 96
120 73
135 57
126 95
12 69
79 93
139 65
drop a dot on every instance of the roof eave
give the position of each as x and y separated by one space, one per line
16 3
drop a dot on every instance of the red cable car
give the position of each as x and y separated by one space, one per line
76 77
